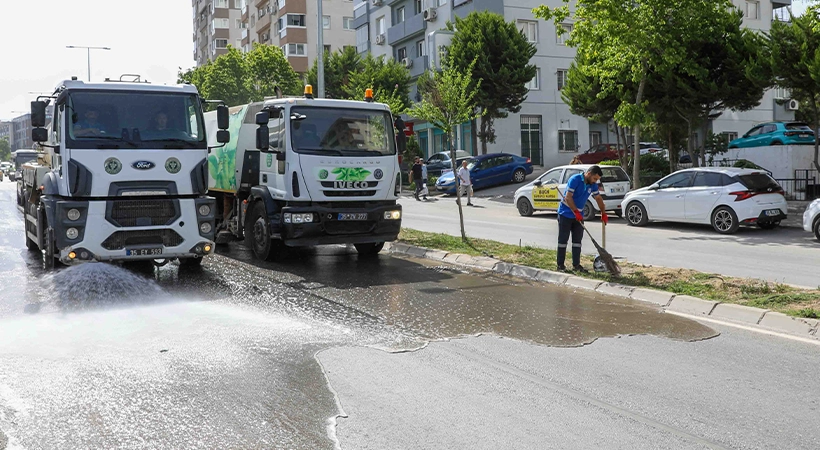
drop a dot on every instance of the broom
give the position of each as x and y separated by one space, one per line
609 261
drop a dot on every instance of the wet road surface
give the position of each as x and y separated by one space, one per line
232 356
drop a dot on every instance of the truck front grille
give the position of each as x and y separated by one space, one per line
142 213
349 193
122 239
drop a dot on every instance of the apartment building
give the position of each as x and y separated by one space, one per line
293 26
217 24
544 130
7 132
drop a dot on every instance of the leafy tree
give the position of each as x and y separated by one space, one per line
499 55
794 57
448 100
338 67
269 68
5 149
228 78
387 78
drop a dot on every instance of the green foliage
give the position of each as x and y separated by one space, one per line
5 149
447 98
269 68
338 66
746 164
609 163
412 150
497 54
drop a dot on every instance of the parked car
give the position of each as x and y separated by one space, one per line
600 152
775 133
489 170
724 197
648 147
811 218
440 162
541 194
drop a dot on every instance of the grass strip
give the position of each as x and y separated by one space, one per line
743 291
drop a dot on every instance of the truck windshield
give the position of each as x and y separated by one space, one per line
342 132
129 119
22 158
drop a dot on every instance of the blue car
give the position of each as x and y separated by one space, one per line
775 133
489 170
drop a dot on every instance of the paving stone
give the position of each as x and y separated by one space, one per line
419 252
651 296
452 258
615 289
691 305
436 254
466 259
503 268
787 324
583 283
738 313
547 276
485 262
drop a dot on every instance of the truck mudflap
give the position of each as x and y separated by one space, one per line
321 225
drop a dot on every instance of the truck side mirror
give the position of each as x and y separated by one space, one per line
280 156
262 142
222 117
38 134
262 118
38 114
223 136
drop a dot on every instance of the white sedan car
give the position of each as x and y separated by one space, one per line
722 197
811 218
542 193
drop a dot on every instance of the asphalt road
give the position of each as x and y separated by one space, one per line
326 349
787 255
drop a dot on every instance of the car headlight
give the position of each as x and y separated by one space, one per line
73 214
205 228
204 210
72 233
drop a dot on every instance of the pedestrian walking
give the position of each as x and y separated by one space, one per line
424 190
579 188
417 177
466 185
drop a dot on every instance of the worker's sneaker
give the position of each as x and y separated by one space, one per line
562 268
579 269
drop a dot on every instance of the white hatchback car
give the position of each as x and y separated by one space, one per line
722 197
542 195
811 218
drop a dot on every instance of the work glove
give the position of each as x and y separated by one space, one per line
604 218
578 215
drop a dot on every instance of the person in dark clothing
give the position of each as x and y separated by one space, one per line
418 177
401 138
579 188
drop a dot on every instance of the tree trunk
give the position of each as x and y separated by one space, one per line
703 129
673 155
636 163
458 185
474 136
484 135
625 157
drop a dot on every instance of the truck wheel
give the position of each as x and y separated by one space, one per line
31 245
369 249
48 253
264 247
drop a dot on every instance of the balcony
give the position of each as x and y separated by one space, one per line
245 14
419 66
263 23
407 29
245 37
260 3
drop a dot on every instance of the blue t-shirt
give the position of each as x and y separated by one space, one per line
580 193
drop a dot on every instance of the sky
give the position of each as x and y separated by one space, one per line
152 38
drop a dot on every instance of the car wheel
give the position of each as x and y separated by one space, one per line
776 143
769 226
589 212
524 207
636 214
817 228
370 249
724 220
519 175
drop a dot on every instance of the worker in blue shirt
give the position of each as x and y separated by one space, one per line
579 188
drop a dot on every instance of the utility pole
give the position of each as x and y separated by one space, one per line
320 63
89 54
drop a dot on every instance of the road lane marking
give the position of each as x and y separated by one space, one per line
747 328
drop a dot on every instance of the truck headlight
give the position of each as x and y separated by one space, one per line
72 233
392 215
205 228
298 217
73 214
287 218
204 210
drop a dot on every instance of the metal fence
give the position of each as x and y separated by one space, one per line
800 189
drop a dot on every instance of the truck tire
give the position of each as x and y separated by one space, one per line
370 249
49 260
258 233
31 245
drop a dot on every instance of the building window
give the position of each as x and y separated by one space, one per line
752 10
253 20
531 138
563 37
327 49
347 23
594 138
221 23
221 43
262 12
400 15
326 22
220 3
416 7
420 48
530 29
295 20
362 38
562 78
401 53
380 25
240 24
568 141
728 136
294 49
535 83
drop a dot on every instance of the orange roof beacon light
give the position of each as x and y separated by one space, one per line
368 95
308 91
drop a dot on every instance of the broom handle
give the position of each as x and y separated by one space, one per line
603 234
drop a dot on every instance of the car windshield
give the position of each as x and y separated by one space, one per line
473 163
759 182
613 175
798 126
342 132
120 119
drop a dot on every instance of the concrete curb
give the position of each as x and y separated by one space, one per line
748 316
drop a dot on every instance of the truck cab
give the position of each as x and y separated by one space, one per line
123 176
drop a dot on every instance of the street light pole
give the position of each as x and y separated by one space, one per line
89 54
320 64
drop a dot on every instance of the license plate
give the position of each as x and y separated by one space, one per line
804 135
773 212
352 216
143 252
614 190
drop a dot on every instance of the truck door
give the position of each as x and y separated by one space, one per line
272 164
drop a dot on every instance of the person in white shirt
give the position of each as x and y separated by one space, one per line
464 181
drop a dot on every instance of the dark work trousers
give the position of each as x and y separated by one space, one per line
419 186
567 226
